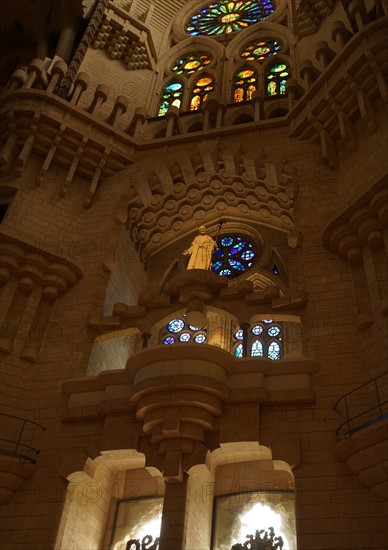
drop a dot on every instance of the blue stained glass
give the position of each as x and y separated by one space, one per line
176 325
274 351
240 245
257 349
233 252
247 255
237 265
173 87
194 328
184 337
239 334
257 329
226 241
200 338
169 340
267 321
273 331
171 96
238 351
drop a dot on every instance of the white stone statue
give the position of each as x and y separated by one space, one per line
200 250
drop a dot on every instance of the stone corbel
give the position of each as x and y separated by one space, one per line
33 269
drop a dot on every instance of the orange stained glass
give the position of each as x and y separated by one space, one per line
245 73
250 91
195 103
204 81
238 95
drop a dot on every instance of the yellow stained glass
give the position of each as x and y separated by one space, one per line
250 91
238 95
229 17
204 81
195 103
245 73
191 65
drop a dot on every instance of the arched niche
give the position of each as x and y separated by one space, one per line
93 492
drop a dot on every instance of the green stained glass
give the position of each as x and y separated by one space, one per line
225 17
245 85
260 50
277 76
172 95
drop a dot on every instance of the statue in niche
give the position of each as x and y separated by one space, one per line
200 250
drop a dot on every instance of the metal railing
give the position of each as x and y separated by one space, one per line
363 406
13 429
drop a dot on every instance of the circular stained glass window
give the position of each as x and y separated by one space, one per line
169 340
256 330
191 63
200 338
239 334
228 16
233 256
273 331
260 50
176 325
184 337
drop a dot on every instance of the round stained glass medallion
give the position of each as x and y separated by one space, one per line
260 50
176 325
192 63
227 16
200 338
273 331
233 256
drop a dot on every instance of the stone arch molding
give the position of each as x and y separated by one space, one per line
190 189
89 493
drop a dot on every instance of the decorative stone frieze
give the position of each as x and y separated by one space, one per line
316 123
125 38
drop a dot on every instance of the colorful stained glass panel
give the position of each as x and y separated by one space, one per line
227 16
192 63
260 50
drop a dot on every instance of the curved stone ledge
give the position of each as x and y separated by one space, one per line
191 367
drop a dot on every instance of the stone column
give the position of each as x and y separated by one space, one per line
173 530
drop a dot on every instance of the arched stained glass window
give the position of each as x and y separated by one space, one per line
191 63
178 331
172 95
260 50
245 83
227 16
274 351
264 339
257 349
276 79
238 352
233 256
202 88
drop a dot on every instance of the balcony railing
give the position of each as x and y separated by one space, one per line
363 406
15 432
